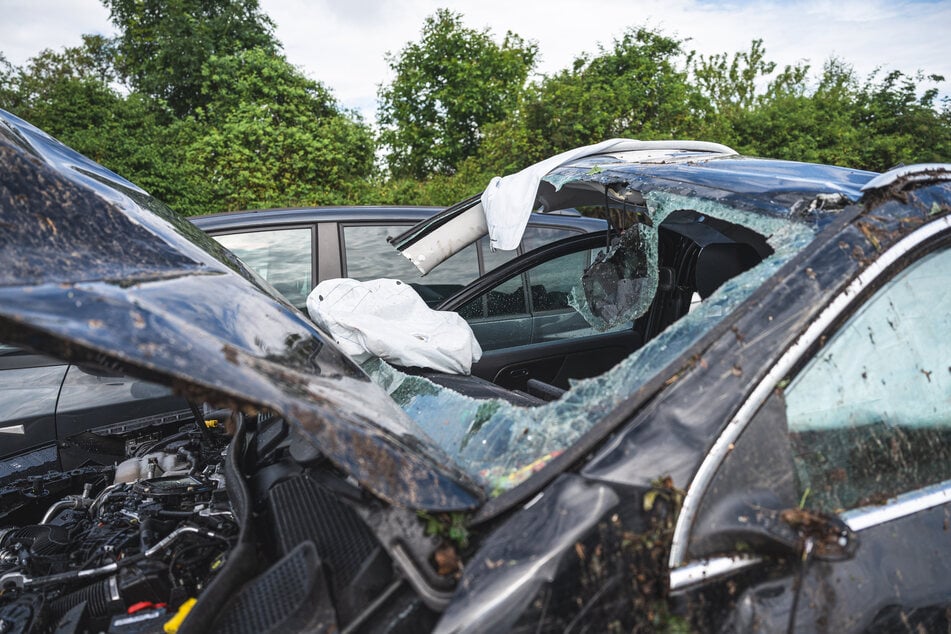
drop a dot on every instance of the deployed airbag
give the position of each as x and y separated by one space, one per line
387 319
508 201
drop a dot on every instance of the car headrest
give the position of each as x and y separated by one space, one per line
719 262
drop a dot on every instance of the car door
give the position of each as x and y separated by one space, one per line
858 433
294 249
528 331
366 255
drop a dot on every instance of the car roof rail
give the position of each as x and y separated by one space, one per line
920 173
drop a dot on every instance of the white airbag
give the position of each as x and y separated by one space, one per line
386 318
508 201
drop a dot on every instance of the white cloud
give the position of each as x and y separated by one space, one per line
29 26
342 43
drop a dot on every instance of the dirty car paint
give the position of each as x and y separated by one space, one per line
151 301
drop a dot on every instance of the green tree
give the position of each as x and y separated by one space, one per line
6 77
271 137
730 83
446 89
900 121
735 86
65 92
163 44
71 95
793 121
636 88
830 119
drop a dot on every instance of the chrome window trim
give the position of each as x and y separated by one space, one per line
921 172
705 569
737 424
858 520
898 507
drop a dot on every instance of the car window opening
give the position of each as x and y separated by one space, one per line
501 443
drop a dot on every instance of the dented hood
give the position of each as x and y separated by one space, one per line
95 270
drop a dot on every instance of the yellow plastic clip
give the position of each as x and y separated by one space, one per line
171 626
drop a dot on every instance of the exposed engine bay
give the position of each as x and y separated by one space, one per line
135 541
179 530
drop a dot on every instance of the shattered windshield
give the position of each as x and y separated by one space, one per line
501 444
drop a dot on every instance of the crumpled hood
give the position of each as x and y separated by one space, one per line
95 270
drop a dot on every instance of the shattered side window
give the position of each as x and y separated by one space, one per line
533 306
870 415
501 445
620 284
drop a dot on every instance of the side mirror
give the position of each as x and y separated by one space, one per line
823 536
758 522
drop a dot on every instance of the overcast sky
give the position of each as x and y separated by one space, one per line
343 43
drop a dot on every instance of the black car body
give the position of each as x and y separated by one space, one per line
57 417
705 482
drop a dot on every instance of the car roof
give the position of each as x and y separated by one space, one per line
767 185
293 215
771 187
233 220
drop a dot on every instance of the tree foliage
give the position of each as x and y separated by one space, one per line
833 118
70 94
636 88
447 88
194 102
730 82
271 137
228 126
898 125
163 44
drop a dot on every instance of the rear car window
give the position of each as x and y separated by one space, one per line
284 257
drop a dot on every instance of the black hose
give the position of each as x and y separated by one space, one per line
243 562
200 422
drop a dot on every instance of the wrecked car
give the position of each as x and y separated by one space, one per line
57 416
771 455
